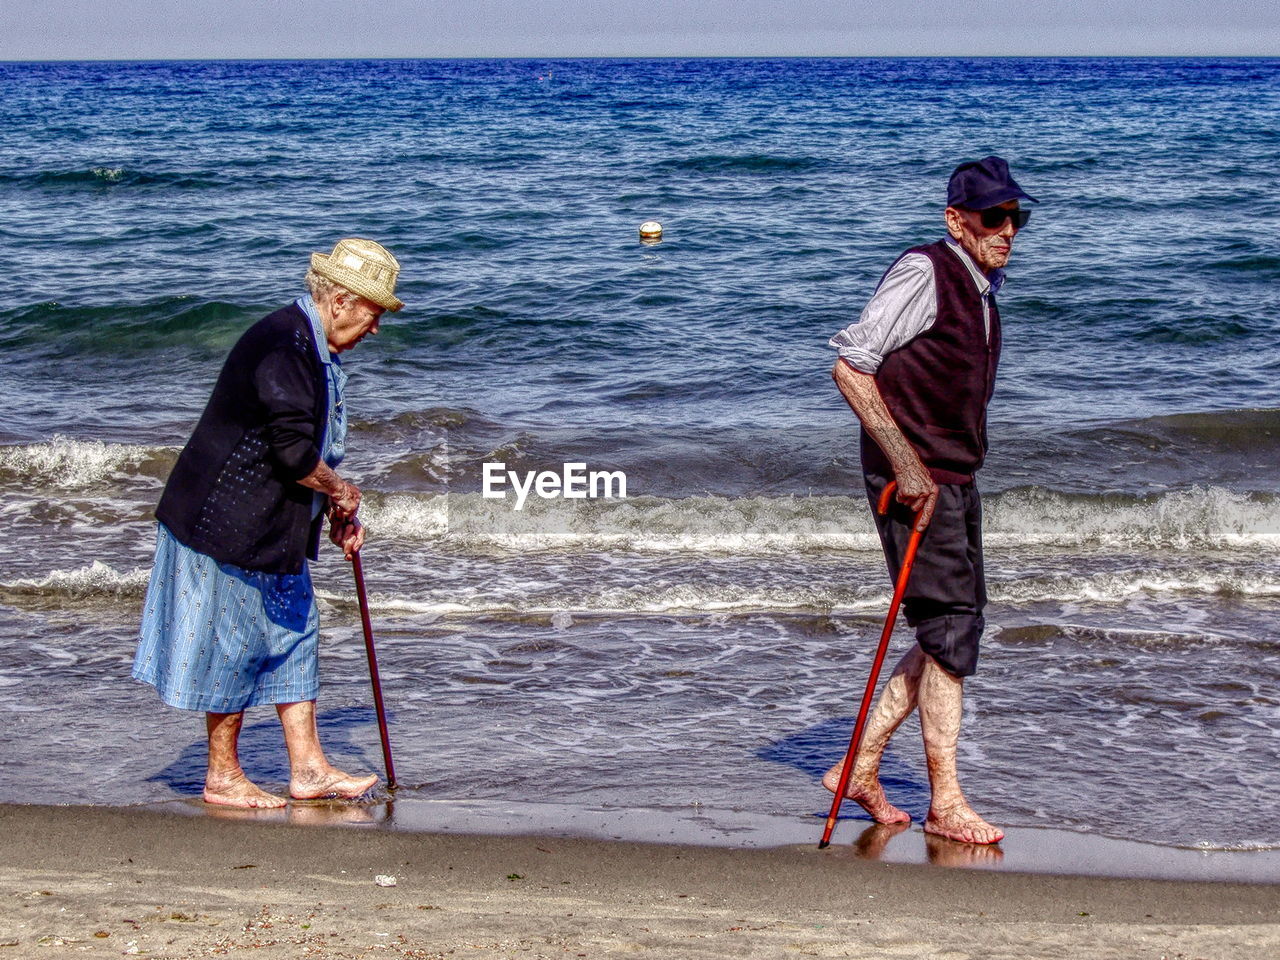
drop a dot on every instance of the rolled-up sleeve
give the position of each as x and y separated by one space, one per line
904 306
287 391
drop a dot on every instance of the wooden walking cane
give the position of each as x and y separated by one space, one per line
358 570
899 589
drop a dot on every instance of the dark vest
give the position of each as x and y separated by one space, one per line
233 494
938 385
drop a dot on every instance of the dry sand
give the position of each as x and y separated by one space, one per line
102 882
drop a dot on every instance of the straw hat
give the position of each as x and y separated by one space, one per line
364 268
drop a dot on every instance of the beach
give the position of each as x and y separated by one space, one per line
101 882
715 624
570 680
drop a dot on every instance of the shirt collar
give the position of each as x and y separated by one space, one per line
984 283
308 306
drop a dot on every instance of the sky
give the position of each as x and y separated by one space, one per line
211 29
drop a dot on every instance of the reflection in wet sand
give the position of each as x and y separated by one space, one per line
307 813
872 841
952 853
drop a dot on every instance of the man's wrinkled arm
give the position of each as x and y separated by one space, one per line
916 488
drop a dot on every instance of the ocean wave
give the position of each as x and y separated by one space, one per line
106 176
1120 586
129 329
96 581
790 592
737 526
1199 519
64 463
687 599
1248 263
1064 164
1222 448
748 163
799 591
1201 330
411 423
1202 518
792 597
1229 448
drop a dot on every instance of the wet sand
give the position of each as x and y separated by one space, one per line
1024 850
99 882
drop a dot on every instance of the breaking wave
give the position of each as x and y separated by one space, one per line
1208 518
96 581
67 464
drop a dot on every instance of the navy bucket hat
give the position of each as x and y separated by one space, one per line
979 184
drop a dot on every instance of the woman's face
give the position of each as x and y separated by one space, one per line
352 318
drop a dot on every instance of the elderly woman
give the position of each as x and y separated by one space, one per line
230 618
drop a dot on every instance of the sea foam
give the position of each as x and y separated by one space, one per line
95 580
70 464
1205 518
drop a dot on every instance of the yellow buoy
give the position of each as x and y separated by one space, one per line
651 231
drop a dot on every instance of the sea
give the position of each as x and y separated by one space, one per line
699 646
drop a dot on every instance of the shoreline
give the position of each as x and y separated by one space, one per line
1039 850
111 881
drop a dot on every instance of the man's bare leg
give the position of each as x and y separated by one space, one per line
895 704
310 774
224 782
941 707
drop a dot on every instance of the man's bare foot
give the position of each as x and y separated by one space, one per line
239 791
959 822
868 795
326 782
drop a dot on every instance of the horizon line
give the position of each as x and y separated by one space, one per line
572 57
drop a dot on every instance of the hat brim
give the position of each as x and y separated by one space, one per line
997 197
323 264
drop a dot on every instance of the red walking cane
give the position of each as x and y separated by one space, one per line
373 668
899 589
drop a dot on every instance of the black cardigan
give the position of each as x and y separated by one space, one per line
233 494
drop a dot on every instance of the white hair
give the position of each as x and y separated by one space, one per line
321 288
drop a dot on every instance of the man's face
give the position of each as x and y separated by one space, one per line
354 318
989 246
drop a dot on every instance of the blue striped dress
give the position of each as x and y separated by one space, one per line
218 638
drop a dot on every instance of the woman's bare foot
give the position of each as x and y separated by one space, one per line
959 822
324 782
869 795
238 791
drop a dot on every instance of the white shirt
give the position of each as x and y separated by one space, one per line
904 306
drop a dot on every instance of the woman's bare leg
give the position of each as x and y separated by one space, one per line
310 774
224 782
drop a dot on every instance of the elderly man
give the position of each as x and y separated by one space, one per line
230 617
918 369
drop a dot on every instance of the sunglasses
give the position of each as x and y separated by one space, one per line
994 217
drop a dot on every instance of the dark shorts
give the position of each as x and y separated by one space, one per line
947 590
